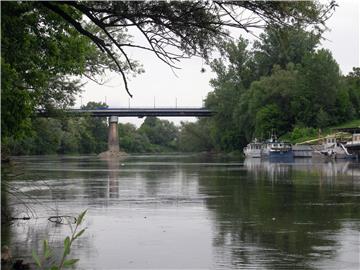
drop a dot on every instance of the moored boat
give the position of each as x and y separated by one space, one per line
333 149
275 149
253 149
354 144
302 151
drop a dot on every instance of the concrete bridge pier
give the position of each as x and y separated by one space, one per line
113 141
113 137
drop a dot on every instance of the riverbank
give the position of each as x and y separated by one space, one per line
303 134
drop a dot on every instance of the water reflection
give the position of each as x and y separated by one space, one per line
277 215
325 169
194 211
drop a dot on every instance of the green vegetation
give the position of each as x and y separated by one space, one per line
350 124
154 135
41 57
282 83
88 135
63 136
47 48
303 93
41 262
298 134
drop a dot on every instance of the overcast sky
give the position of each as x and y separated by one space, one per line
189 86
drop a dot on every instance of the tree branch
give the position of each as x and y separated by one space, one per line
99 42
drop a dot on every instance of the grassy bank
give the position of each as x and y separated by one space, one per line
301 134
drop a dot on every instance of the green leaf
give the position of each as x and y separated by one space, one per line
80 218
46 250
54 267
79 233
66 246
70 262
36 258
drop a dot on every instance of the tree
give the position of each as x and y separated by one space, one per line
48 136
41 57
352 84
174 30
159 132
234 76
319 81
283 45
285 83
97 126
131 140
194 137
270 100
47 46
70 140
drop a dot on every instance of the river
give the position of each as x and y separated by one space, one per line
189 211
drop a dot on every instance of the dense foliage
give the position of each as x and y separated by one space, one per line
41 55
256 90
89 135
63 135
154 135
283 83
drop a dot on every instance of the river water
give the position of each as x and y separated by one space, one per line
189 212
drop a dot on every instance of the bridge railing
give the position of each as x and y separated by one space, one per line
144 107
139 112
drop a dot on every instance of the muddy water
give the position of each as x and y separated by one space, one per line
189 211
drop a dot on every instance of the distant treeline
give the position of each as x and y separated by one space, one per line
87 135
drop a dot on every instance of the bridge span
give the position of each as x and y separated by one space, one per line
115 113
142 112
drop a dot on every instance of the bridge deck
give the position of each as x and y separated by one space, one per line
142 112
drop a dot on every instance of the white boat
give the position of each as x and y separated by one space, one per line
253 149
273 148
354 144
333 149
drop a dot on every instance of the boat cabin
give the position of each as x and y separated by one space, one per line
254 146
330 141
356 137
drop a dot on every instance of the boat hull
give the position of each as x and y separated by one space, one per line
253 154
281 155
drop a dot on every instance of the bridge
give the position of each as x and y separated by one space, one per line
115 113
142 112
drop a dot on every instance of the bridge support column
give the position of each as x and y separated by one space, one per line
113 138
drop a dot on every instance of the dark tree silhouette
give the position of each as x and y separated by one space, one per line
175 30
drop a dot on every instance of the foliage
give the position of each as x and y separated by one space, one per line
281 84
47 254
85 135
154 135
159 132
351 84
63 135
41 55
97 127
48 46
49 135
194 137
319 79
282 45
175 30
131 140
229 86
270 100
300 134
